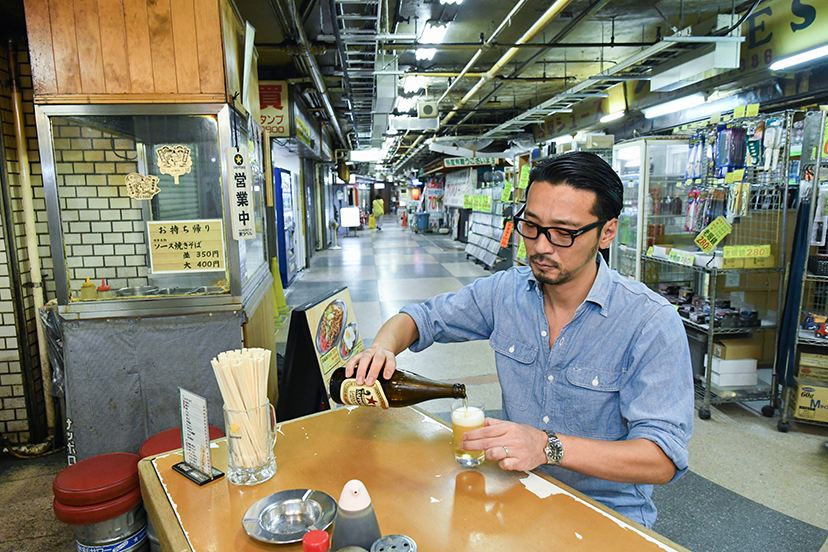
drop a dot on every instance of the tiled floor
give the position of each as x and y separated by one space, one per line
779 482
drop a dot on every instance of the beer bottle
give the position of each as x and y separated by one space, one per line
403 389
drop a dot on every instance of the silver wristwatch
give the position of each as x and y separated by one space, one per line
554 449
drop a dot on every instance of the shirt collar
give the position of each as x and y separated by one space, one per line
600 291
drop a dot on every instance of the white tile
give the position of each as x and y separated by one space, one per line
466 269
369 318
416 289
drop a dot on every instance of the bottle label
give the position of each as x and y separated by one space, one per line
362 395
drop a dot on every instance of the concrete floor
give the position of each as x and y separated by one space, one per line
737 448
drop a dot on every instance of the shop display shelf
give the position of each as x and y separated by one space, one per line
806 337
766 325
709 270
815 278
722 395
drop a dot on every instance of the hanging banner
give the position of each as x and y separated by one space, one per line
241 194
434 196
275 108
469 161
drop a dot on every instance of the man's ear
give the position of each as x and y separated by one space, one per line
608 233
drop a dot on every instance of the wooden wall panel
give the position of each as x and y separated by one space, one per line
131 51
42 56
113 47
67 66
210 52
88 33
161 44
186 51
139 53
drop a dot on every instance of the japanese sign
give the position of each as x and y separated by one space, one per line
194 434
186 246
469 161
434 196
715 232
241 194
507 191
682 258
746 251
468 201
521 254
507 233
523 183
275 108
333 325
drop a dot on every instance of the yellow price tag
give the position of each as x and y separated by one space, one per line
715 232
746 251
650 251
738 175
726 118
739 112
507 191
521 249
715 117
753 110
523 183
467 201
729 178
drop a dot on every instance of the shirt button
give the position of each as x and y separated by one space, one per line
562 340
512 349
551 378
543 333
546 419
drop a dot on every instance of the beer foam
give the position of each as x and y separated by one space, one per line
471 417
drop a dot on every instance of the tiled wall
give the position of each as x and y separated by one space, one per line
103 228
14 422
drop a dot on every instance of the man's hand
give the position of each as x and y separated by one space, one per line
525 444
369 363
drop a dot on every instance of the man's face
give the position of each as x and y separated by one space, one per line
563 206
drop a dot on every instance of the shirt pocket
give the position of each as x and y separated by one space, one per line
515 361
592 404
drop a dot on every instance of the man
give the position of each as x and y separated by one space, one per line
594 368
378 208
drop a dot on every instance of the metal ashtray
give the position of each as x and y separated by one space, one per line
286 516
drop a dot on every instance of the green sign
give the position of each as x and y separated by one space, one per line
467 201
507 191
523 183
469 161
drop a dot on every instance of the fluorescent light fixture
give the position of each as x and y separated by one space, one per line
810 55
675 105
366 156
433 34
379 185
613 116
413 84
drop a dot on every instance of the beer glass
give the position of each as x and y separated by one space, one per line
466 416
251 435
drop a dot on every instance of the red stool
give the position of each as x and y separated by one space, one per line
100 497
170 440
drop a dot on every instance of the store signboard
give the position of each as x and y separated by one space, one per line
469 161
275 108
434 196
241 194
458 184
186 246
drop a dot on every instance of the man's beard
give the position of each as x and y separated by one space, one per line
563 274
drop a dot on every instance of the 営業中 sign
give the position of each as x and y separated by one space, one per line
241 194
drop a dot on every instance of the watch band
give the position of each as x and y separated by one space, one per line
554 449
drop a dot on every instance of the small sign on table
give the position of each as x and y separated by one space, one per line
195 440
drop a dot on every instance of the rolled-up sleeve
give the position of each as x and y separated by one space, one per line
465 315
657 397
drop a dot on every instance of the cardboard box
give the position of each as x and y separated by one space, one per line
733 373
733 263
809 401
813 373
732 349
811 359
745 379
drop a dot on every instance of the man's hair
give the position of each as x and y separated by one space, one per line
584 171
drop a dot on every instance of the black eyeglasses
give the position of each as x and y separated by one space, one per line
559 237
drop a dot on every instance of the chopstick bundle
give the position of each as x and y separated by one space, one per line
242 379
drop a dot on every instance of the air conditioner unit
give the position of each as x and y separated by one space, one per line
427 110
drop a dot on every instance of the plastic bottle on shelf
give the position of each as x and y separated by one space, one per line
89 291
104 291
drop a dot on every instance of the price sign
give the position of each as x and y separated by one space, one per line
715 232
521 249
507 191
467 201
186 246
523 183
738 175
739 112
715 117
650 251
729 178
507 233
753 110
194 431
682 258
487 203
746 251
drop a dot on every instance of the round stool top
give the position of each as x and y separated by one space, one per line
96 513
170 440
97 479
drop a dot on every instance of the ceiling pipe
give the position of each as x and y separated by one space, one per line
472 45
315 73
486 45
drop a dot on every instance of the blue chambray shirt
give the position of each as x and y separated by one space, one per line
620 369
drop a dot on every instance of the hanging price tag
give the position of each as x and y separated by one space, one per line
738 112
650 251
746 251
682 258
729 178
715 117
738 175
753 110
715 232
522 249
523 183
467 201
507 233
507 191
